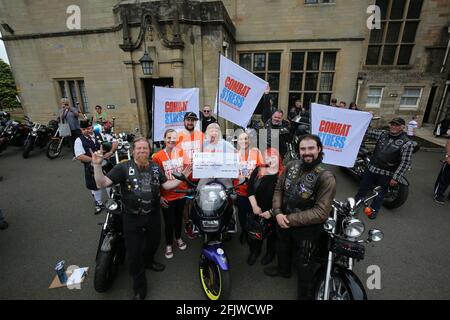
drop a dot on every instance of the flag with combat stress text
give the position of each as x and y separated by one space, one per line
341 132
239 92
171 104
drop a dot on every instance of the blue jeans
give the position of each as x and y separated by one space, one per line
369 181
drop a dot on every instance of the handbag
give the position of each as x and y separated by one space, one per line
63 127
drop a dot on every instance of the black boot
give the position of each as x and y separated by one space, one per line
268 257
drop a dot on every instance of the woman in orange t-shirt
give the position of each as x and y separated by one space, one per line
249 159
170 159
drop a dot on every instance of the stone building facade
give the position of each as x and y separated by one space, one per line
306 49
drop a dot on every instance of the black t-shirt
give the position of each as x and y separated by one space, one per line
206 122
119 173
262 188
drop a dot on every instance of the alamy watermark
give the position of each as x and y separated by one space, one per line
73 22
374 280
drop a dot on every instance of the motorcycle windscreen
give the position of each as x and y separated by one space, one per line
211 199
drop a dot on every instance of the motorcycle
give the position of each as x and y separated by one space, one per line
214 217
335 279
14 133
395 196
111 246
39 135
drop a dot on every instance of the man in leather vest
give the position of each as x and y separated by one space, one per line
87 142
278 126
390 160
301 204
140 181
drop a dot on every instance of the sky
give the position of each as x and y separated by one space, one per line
3 55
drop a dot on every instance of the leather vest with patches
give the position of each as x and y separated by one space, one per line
388 151
141 192
300 188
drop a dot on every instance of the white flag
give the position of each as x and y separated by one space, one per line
171 104
341 132
239 92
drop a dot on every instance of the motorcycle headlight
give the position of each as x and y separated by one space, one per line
329 224
111 205
126 146
353 228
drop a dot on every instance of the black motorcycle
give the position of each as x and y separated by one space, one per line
14 133
338 250
395 196
111 246
39 136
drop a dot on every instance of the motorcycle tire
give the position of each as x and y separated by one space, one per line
216 283
52 149
341 290
104 271
27 150
393 202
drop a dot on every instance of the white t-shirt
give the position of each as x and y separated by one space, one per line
412 125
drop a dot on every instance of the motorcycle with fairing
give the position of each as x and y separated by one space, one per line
214 217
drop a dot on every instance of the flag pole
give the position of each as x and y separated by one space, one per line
153 118
218 85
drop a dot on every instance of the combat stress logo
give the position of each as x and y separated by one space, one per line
175 111
333 134
234 93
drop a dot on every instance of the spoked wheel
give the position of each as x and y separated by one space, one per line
216 283
338 289
54 149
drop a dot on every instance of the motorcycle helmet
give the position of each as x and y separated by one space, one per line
97 128
107 126
258 228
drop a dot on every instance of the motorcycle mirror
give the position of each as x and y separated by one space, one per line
375 235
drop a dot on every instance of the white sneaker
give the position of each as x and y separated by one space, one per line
169 252
181 244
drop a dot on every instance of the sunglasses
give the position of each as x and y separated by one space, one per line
206 111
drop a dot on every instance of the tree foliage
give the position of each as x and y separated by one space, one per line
8 90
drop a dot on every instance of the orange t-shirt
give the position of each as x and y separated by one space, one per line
169 163
190 143
247 163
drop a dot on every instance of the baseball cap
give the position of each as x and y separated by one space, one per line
190 115
399 121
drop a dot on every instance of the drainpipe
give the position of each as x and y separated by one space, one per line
360 82
446 52
441 105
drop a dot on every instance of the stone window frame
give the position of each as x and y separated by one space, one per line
380 97
80 94
266 73
301 93
417 97
399 44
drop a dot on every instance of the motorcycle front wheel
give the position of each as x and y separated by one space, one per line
396 196
104 271
216 283
54 149
338 289
27 149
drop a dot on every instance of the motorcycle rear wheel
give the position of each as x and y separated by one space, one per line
216 283
396 196
53 149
